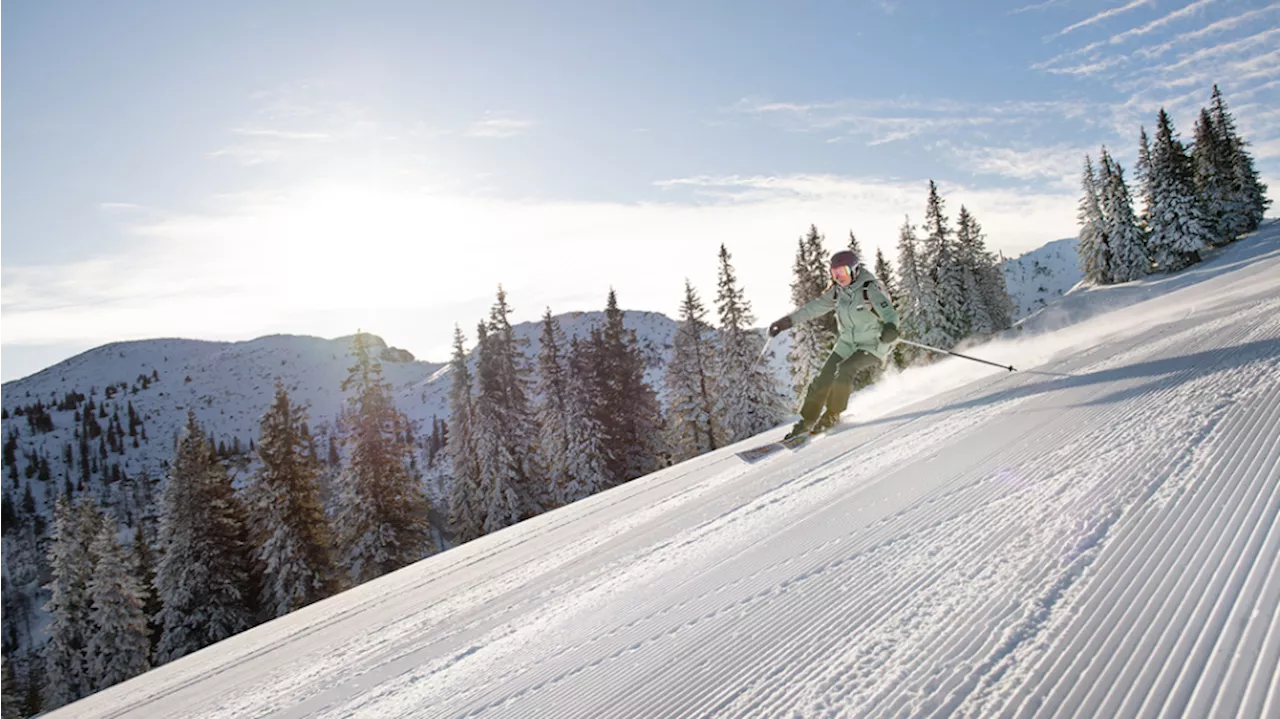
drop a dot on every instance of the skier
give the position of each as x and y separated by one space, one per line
867 326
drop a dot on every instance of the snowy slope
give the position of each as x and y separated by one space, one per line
1096 535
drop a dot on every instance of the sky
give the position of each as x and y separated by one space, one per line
229 170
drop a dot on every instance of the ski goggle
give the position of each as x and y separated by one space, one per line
843 273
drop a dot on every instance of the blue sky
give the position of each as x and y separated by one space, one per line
232 169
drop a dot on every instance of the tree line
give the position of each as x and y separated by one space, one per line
529 434
1193 198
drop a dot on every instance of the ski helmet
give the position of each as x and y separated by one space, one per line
846 258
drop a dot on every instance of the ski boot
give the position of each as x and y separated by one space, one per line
800 429
824 423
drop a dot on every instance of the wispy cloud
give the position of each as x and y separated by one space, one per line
500 126
1103 16
1057 164
1037 6
1216 43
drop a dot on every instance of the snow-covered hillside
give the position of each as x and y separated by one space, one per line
1095 535
1042 276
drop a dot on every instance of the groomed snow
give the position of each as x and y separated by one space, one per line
1097 540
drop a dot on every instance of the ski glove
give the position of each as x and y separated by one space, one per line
779 326
889 333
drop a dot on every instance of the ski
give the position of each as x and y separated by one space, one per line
757 453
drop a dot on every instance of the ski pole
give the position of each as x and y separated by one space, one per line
956 354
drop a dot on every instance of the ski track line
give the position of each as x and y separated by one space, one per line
1094 610
717 590
598 638
632 650
1125 603
1043 443
1112 604
1157 490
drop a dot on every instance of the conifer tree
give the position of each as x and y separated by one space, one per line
1178 227
628 407
972 259
67 676
1142 173
588 451
748 399
811 341
382 520
1128 247
1094 247
915 300
465 513
512 486
1212 168
938 255
120 646
884 273
1247 200
690 379
552 409
287 526
203 576
853 245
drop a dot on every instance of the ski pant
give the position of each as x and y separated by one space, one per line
834 383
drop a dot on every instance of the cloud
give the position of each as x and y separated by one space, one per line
283 134
1037 6
324 258
1058 164
499 127
1103 16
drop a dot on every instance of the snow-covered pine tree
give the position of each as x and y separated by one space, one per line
67 676
1129 260
1178 227
466 515
512 486
1247 197
993 290
11 699
552 410
884 273
1094 246
382 519
938 260
1142 174
587 445
287 526
971 257
203 577
120 647
811 342
692 426
628 407
853 245
916 305
748 399
521 429
1211 165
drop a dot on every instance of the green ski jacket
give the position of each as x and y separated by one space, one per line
862 310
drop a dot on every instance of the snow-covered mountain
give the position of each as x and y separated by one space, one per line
1097 534
1040 277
